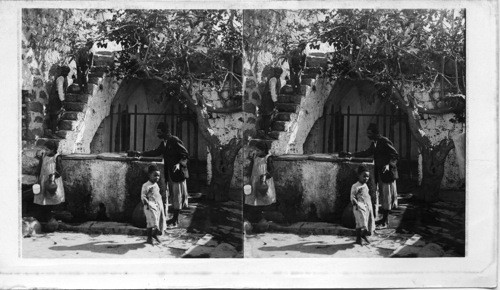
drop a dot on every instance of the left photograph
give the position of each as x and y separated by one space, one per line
131 133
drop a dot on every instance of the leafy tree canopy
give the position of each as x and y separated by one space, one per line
180 46
403 45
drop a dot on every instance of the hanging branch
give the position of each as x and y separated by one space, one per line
411 110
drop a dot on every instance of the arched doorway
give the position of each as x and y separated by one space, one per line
137 108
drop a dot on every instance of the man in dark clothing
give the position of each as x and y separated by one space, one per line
175 157
56 98
296 63
385 157
84 60
269 98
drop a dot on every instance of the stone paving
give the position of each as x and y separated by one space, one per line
206 230
415 230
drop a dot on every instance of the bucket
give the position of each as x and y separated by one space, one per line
36 188
247 189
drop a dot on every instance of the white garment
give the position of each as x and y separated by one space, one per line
45 198
60 87
459 141
272 88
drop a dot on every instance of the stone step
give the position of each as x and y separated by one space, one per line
278 126
75 106
100 69
92 88
286 90
67 125
285 98
253 142
103 60
42 141
319 60
311 72
73 89
77 98
308 81
275 134
95 80
63 133
72 115
96 75
283 116
287 107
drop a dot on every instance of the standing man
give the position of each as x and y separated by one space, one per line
56 98
385 157
175 157
269 98
84 61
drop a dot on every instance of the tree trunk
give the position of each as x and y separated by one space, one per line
433 156
433 159
223 158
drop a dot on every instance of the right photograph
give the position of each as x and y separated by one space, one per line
354 128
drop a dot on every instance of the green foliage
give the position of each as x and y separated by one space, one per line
176 46
57 30
403 45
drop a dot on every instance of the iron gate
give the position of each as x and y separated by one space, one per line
129 131
341 132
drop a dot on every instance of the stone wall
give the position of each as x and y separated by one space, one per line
227 127
98 109
311 109
315 187
110 179
437 128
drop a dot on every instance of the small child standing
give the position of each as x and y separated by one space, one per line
263 193
362 206
153 205
51 185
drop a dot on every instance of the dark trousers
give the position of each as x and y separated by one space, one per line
265 122
82 72
53 121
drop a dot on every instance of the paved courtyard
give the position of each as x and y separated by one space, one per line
415 230
207 230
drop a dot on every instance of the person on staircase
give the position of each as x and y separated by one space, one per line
263 193
84 60
267 108
297 62
175 157
57 98
385 157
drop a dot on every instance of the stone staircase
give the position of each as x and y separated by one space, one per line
72 123
288 107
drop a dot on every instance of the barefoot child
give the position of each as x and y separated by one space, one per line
153 205
362 206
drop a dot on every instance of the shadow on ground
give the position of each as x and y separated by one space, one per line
311 248
102 247
223 220
442 222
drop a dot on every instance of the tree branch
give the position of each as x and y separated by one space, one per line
228 110
413 117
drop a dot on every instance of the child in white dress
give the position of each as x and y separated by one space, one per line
153 205
362 206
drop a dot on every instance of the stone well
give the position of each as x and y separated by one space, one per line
316 187
111 179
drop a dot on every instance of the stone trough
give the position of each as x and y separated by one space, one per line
316 187
108 179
